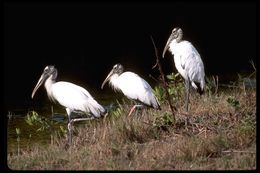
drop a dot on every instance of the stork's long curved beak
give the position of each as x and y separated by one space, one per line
39 83
167 45
107 78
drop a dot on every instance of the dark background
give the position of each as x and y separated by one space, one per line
84 41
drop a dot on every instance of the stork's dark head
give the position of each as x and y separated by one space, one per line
175 35
49 71
117 69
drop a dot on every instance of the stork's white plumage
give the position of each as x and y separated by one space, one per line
187 61
69 95
132 86
76 97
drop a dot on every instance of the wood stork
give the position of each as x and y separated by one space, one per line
73 97
132 86
187 61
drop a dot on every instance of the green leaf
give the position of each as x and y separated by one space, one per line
18 131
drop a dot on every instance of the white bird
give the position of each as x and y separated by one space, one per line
187 61
73 97
132 86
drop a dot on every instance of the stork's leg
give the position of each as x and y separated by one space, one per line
187 86
70 123
69 127
133 108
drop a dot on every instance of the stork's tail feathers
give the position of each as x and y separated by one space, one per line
159 108
155 103
96 109
198 88
156 106
200 91
103 112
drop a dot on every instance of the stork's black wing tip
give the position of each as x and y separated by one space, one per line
200 91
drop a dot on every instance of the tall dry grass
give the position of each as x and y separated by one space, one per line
219 133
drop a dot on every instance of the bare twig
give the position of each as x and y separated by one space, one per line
229 86
153 78
173 109
253 64
155 65
238 151
151 124
216 84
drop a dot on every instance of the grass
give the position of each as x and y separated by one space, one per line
218 133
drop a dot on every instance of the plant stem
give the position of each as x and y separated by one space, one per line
51 125
173 109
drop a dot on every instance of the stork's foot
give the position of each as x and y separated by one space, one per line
134 108
131 111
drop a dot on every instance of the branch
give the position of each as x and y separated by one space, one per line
238 151
154 77
173 109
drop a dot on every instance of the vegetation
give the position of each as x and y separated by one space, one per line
218 133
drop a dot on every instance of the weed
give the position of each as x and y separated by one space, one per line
233 102
18 132
219 133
